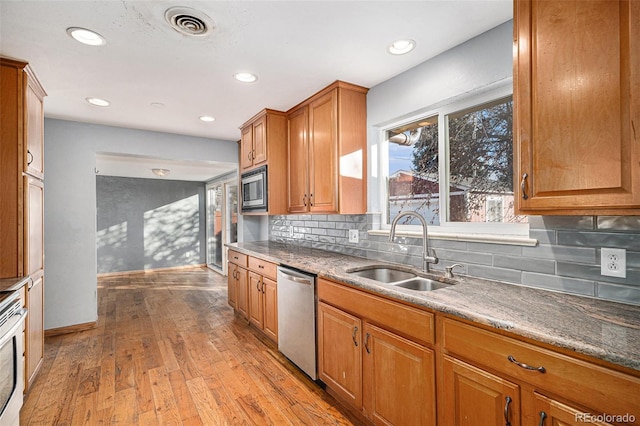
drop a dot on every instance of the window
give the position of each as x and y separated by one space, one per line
454 166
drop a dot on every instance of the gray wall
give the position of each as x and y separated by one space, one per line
70 204
149 223
567 256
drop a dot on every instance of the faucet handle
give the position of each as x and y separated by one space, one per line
433 258
448 271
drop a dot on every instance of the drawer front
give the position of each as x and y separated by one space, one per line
237 258
263 267
588 384
413 323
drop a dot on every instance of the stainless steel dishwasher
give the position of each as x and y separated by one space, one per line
297 318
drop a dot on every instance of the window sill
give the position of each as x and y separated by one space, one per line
475 238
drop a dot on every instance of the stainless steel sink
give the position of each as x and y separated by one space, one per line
421 284
398 276
385 274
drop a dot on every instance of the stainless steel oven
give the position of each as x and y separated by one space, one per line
254 190
12 316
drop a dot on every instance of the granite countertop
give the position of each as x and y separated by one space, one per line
12 284
601 329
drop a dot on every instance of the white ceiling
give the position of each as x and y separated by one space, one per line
295 47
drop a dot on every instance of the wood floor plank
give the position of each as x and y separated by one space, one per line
167 349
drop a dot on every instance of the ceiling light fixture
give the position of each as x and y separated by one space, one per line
245 77
400 47
161 172
85 36
207 118
98 102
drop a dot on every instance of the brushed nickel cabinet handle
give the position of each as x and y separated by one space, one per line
543 416
523 186
29 161
353 336
540 369
506 411
366 343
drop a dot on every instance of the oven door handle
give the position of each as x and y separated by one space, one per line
9 329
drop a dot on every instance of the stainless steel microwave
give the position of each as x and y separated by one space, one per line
254 190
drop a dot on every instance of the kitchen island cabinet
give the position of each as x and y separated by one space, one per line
576 113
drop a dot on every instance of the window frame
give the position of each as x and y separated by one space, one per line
453 105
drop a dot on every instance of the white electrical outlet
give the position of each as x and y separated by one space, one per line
353 235
613 262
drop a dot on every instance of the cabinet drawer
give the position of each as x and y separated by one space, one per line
264 268
591 385
237 258
416 324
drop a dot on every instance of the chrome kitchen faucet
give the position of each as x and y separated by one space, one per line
426 259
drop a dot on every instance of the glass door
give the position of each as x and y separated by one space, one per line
222 221
214 225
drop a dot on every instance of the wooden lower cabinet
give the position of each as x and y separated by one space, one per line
386 377
475 397
550 412
242 292
263 304
482 368
34 348
398 381
339 353
232 285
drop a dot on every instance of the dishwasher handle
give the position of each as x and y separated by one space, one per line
299 280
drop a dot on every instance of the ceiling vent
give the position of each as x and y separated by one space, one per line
188 21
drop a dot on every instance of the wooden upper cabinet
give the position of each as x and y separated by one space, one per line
576 120
298 159
35 129
327 152
264 142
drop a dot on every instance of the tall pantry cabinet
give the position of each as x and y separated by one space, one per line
22 194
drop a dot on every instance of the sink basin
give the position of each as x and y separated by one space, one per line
421 284
383 274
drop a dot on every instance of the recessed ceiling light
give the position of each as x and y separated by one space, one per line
161 172
246 77
86 36
207 118
98 102
400 47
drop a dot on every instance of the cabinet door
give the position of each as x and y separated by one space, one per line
260 141
474 397
232 285
34 216
35 136
246 147
549 412
242 292
35 328
270 298
576 149
339 353
298 161
323 154
256 315
398 380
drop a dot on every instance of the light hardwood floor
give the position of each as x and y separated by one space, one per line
168 349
